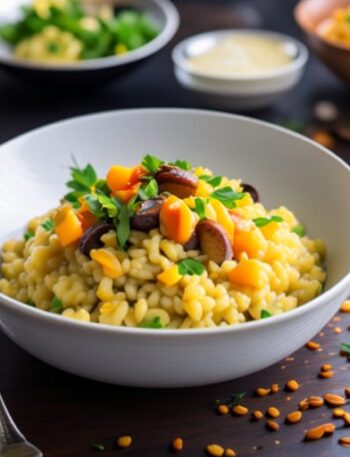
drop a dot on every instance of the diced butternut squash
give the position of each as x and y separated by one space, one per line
119 178
176 220
223 217
126 194
250 242
109 262
248 273
68 226
137 172
269 230
170 277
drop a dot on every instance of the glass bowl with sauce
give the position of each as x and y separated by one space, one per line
239 69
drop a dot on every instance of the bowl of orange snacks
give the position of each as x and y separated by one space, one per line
326 24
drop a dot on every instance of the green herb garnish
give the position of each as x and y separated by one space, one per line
183 164
28 235
212 180
227 196
190 267
122 222
151 163
199 208
232 401
83 179
299 230
149 190
151 323
264 314
48 225
344 347
56 306
262 221
98 447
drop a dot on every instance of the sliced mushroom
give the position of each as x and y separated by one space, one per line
92 237
178 182
214 241
146 216
252 191
192 244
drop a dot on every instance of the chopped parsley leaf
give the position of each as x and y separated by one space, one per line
151 323
151 163
299 230
262 221
149 190
48 225
190 267
264 314
28 235
227 196
212 180
56 306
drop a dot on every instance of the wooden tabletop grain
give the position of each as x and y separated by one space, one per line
64 414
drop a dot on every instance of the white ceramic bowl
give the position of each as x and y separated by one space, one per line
93 71
241 93
285 167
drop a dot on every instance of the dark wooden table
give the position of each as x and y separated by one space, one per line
63 414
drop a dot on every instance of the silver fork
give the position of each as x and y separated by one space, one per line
12 442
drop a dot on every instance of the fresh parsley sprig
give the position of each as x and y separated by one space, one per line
48 225
212 180
82 180
190 267
151 323
262 221
299 230
151 163
28 235
264 314
227 196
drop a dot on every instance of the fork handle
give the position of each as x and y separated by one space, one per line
9 433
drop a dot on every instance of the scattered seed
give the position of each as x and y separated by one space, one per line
275 388
257 415
292 385
294 417
273 412
344 441
222 410
240 410
315 433
329 428
304 404
262 392
326 367
347 391
177 444
336 319
215 450
346 419
324 138
124 441
338 412
334 400
315 402
337 330
326 374
318 432
345 307
321 334
272 425
230 452
313 345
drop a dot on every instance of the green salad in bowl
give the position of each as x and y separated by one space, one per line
63 31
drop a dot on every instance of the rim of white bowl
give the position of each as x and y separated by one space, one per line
179 59
172 21
250 325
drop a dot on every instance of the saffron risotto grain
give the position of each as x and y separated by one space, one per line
39 269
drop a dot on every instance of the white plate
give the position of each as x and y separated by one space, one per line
286 168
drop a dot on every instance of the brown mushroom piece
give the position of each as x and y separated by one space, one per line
178 182
252 191
192 244
214 241
92 237
146 215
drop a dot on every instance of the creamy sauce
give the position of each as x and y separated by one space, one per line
242 55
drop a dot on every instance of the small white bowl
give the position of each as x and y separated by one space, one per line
285 167
241 93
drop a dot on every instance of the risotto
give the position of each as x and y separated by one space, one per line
163 245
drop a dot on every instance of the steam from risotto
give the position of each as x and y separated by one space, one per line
163 246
